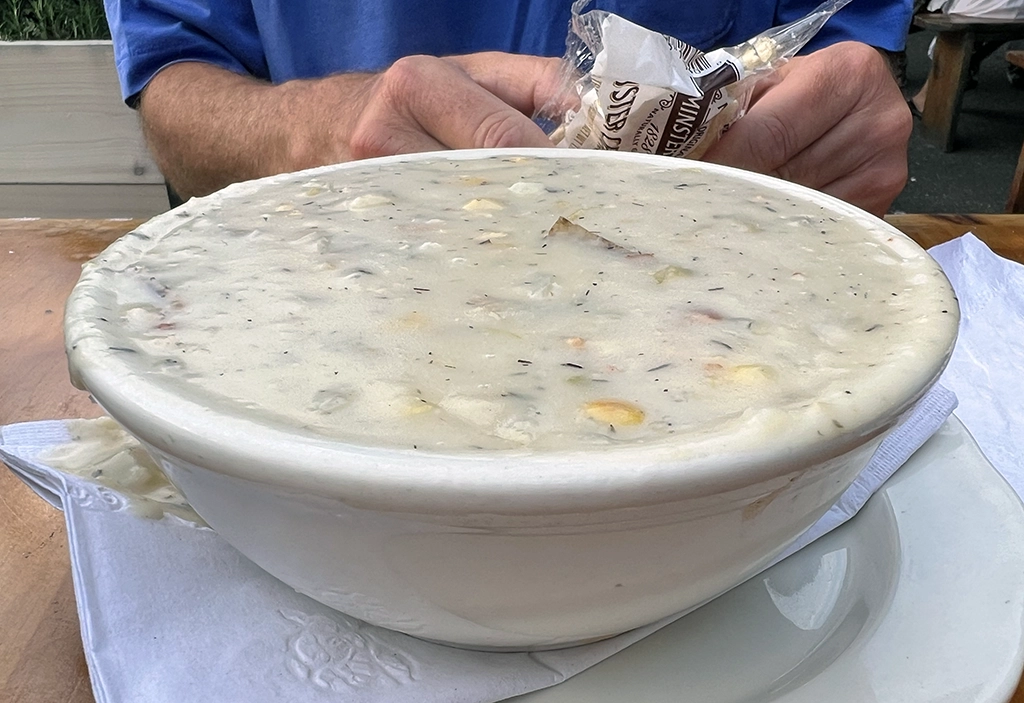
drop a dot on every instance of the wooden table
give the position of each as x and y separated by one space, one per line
41 655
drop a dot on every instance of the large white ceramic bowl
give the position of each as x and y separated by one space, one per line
490 549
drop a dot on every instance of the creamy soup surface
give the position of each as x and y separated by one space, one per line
525 303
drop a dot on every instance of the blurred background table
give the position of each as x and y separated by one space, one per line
41 658
956 39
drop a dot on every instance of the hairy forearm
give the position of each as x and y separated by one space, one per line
208 127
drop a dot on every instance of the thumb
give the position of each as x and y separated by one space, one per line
524 82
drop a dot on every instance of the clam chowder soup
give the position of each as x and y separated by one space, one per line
525 303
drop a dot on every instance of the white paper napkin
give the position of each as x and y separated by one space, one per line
169 612
987 368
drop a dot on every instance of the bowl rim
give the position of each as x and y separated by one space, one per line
423 481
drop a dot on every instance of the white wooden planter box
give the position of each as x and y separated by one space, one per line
69 147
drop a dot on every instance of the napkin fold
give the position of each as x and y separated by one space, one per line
170 612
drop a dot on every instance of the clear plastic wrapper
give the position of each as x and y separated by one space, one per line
631 89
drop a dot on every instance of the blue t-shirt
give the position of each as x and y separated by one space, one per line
278 40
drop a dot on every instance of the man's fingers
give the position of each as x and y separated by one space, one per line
835 121
524 82
838 161
812 96
380 133
777 127
423 103
835 154
872 188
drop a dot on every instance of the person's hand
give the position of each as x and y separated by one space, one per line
834 120
424 103
208 127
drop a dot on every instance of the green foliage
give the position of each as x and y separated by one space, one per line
52 19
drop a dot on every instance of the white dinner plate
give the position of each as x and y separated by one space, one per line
918 598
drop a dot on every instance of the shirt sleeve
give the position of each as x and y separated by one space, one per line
149 35
880 23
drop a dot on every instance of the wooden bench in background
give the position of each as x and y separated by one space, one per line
69 147
956 37
1016 201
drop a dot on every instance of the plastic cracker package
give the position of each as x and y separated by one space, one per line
632 89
